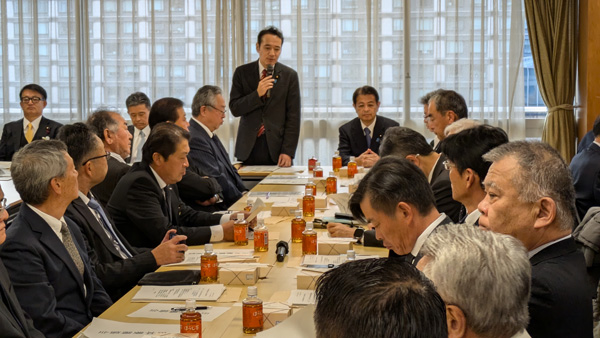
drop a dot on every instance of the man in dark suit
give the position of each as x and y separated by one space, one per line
146 204
138 107
445 107
117 264
206 150
111 128
361 136
530 196
466 167
424 100
45 252
33 126
268 104
585 169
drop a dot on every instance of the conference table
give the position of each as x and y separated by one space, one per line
276 287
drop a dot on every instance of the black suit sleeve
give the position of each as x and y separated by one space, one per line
5 152
344 145
242 104
292 119
194 187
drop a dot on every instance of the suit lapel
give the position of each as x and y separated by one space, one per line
43 129
377 134
439 168
86 213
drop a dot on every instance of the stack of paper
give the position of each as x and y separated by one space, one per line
206 292
192 256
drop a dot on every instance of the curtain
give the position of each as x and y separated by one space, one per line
552 28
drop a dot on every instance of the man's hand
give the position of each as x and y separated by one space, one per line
340 230
264 85
284 160
367 159
169 251
208 202
228 231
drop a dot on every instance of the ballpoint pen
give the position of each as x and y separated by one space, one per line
180 309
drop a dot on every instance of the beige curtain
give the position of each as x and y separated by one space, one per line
552 31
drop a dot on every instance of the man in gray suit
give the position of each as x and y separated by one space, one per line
266 95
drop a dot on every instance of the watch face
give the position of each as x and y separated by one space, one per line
358 233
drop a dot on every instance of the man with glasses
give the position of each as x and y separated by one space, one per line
33 126
445 108
206 150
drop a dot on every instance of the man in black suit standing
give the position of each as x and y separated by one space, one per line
585 168
118 265
530 195
206 150
138 107
111 128
33 126
266 95
361 136
45 253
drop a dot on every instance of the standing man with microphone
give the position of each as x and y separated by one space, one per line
266 95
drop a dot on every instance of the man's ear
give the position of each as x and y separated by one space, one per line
452 116
107 137
414 159
157 159
457 322
471 178
545 212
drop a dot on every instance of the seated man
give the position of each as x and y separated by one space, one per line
196 189
483 277
530 195
44 252
585 168
424 100
445 107
138 107
206 150
33 126
146 204
378 298
466 167
118 265
361 137
111 128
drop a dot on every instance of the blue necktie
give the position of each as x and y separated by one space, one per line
138 154
368 137
108 227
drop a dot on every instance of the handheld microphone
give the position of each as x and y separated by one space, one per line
282 250
269 73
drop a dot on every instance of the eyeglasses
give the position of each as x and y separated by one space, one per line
3 205
34 99
448 165
97 157
219 110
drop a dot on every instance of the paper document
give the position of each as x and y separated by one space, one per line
313 260
257 169
302 297
285 180
192 256
290 170
110 328
341 200
257 207
207 292
163 311
298 325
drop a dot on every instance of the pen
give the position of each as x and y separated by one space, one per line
176 309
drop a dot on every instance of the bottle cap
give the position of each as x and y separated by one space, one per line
250 201
299 213
337 152
308 191
318 164
252 291
309 225
332 174
352 158
351 255
190 304
208 247
240 216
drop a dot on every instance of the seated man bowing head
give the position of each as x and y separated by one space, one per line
146 203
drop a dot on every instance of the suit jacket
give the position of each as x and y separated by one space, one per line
15 324
442 191
118 275
353 141
116 170
586 140
131 129
141 213
45 278
209 155
561 294
194 186
585 169
13 136
280 113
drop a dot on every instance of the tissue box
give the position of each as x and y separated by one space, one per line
273 315
320 202
320 182
283 209
307 280
333 248
238 275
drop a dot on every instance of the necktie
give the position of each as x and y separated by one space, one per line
107 226
167 190
29 133
261 129
138 151
71 248
368 137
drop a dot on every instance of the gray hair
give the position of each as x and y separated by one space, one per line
543 173
486 274
460 125
205 96
34 166
425 98
102 119
136 99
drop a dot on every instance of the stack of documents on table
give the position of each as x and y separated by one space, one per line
202 293
165 311
286 180
192 256
302 297
110 328
251 169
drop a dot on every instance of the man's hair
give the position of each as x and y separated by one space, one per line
466 149
486 274
138 98
80 141
163 139
425 98
205 96
402 141
164 110
596 128
365 90
392 180
34 166
101 120
35 88
269 30
383 297
447 100
460 125
542 173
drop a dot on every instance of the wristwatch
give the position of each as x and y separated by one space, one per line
358 234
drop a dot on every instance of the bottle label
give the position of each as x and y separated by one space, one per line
191 327
253 316
209 268
309 244
239 233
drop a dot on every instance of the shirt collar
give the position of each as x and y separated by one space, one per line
542 247
261 68
146 131
160 181
371 126
210 133
430 176
423 236
472 217
54 223
597 143
35 123
117 157
84 198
